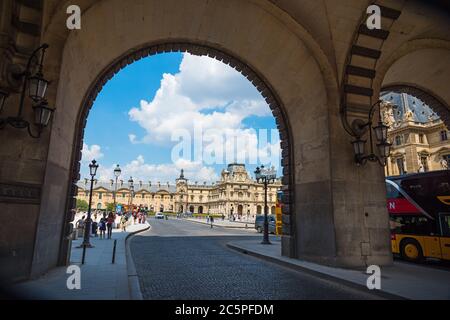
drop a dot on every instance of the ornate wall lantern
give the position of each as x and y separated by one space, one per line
381 134
37 87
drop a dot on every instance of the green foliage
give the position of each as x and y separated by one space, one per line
82 205
110 207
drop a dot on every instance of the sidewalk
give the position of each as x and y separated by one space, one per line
225 223
100 279
402 280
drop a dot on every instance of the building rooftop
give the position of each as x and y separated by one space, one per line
421 113
153 188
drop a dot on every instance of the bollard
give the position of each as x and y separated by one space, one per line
114 251
84 254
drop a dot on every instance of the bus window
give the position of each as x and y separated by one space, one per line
392 192
445 224
414 225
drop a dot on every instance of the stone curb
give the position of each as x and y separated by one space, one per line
134 287
287 264
219 226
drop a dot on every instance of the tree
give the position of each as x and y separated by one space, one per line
82 205
110 207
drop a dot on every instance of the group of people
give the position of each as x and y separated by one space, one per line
102 226
140 216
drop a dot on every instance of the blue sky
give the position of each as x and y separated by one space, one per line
147 115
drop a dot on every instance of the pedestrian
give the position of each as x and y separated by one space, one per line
109 224
94 228
80 225
212 220
123 222
102 226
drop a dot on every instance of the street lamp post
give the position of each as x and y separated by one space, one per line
117 173
93 166
265 177
131 186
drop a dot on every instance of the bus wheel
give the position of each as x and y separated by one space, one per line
260 230
411 250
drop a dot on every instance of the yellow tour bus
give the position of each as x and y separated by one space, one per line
419 211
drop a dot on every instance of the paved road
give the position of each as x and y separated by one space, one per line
178 259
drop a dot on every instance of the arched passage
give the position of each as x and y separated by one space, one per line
325 216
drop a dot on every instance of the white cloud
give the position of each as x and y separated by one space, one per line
167 172
205 93
132 138
91 153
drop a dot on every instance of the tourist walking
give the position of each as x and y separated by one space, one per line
94 228
102 226
123 222
109 224
80 226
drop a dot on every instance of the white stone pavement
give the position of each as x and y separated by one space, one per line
100 278
405 280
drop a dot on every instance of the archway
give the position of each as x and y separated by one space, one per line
322 218
191 209
200 209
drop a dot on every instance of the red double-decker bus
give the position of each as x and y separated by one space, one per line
419 210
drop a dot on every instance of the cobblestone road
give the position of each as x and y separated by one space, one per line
177 259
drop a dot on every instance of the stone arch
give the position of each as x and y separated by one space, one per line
280 58
419 67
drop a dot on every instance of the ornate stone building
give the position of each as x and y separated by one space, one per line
420 140
236 193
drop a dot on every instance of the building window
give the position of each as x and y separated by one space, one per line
100 195
398 140
400 166
424 162
444 135
421 140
